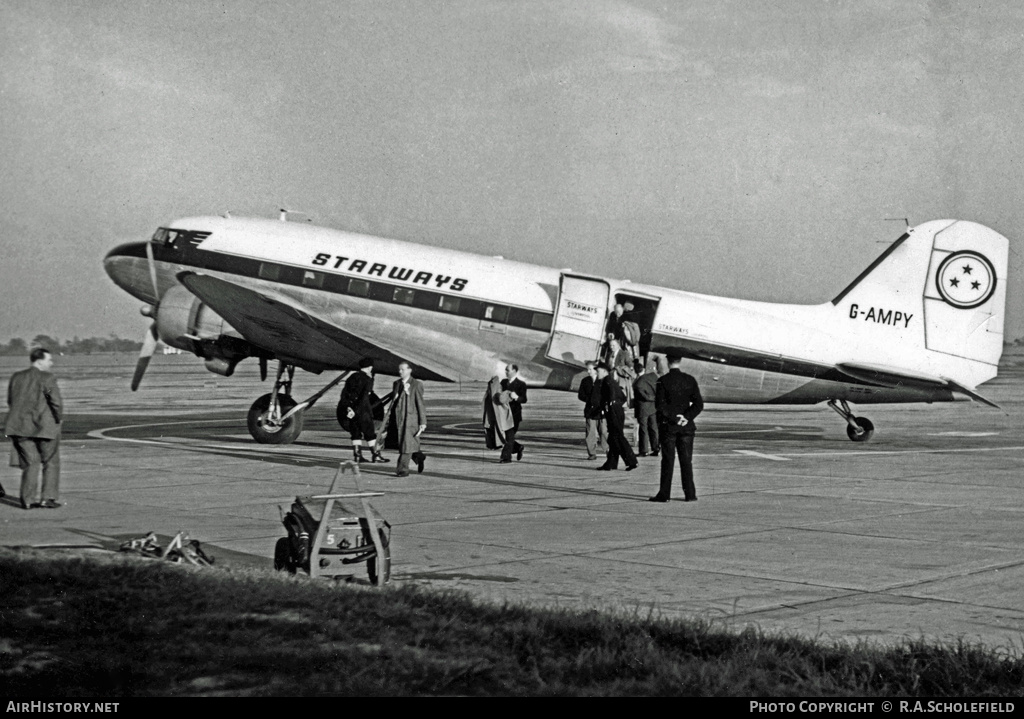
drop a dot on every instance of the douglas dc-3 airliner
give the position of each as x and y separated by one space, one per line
923 323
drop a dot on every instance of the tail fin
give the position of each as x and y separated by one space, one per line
951 274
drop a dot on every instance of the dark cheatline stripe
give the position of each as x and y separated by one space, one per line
440 302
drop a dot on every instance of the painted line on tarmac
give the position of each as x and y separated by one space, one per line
853 453
752 453
102 433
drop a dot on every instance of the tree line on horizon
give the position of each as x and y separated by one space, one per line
88 345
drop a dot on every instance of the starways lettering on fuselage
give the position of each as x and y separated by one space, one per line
880 315
378 269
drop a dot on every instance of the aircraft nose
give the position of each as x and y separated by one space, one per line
128 267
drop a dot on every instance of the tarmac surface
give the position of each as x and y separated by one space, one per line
797 529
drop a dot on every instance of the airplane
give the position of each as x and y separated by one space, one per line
922 323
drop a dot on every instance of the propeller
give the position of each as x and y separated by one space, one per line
148 348
152 336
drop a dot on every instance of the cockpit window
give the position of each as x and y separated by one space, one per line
170 237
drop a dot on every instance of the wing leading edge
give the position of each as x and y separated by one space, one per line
289 331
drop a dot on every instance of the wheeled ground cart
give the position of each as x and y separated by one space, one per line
326 535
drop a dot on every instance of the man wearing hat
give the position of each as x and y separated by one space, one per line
356 410
612 401
677 402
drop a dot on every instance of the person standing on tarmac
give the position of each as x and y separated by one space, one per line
678 403
644 395
355 410
408 411
597 427
34 424
517 396
612 401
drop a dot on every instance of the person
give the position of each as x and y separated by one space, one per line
517 398
34 424
355 409
612 401
408 413
644 394
597 427
622 367
677 402
613 328
630 331
497 414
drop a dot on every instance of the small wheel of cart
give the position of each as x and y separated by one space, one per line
283 559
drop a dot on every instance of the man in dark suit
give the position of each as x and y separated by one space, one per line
644 396
597 428
677 402
517 389
33 424
612 401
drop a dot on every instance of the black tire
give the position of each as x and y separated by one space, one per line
865 424
385 561
283 556
265 433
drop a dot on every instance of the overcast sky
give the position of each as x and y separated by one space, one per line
740 148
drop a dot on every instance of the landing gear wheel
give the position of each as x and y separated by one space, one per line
385 562
263 425
865 424
283 556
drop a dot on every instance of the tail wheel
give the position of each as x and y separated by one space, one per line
865 424
265 425
383 562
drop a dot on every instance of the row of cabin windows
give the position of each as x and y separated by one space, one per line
423 299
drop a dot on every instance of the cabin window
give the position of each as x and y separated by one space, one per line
270 271
403 296
495 313
360 288
541 321
449 304
312 279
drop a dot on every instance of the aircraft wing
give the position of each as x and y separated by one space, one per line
291 332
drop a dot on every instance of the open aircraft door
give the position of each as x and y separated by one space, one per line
580 318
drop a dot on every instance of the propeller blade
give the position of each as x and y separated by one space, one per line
152 273
148 348
263 369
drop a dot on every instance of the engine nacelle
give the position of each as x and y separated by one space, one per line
183 321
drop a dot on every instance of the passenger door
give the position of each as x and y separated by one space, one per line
580 319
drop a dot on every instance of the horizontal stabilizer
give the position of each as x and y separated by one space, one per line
891 377
972 394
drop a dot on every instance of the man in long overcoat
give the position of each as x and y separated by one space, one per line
409 413
33 424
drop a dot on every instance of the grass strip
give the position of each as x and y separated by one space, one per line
77 626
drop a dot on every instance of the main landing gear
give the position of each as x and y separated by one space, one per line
859 429
269 420
276 418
